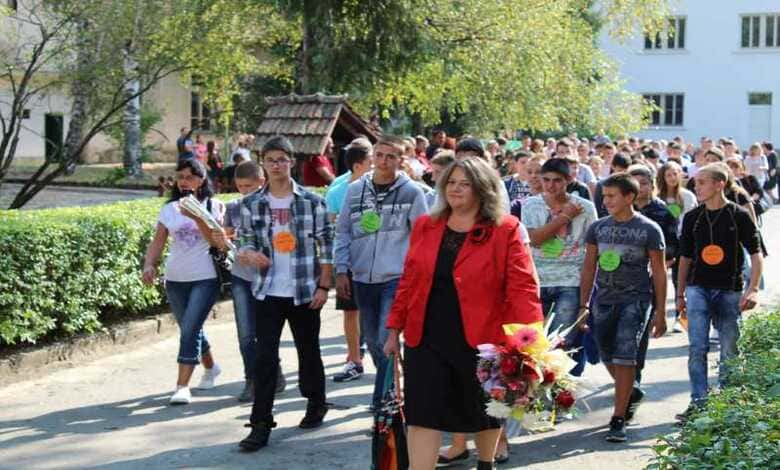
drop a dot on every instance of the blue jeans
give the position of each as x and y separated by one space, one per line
721 308
191 303
565 302
244 307
374 302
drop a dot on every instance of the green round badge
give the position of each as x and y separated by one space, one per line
609 260
370 222
552 248
674 209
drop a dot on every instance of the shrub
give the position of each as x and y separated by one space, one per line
740 426
63 270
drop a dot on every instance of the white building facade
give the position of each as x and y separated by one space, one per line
717 75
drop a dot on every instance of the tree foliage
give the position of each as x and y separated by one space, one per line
507 64
81 43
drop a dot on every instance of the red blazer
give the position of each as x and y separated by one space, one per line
494 276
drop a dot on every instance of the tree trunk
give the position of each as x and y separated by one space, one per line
78 91
132 117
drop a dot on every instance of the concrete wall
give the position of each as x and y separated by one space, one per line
713 71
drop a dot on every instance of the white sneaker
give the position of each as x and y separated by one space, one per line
209 377
677 328
181 396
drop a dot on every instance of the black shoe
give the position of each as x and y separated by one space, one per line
501 458
444 462
637 395
315 413
482 465
258 438
617 430
248 394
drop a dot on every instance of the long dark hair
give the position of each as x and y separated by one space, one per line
197 169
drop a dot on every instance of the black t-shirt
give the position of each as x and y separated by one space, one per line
732 229
579 189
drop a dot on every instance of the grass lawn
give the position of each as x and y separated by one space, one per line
99 174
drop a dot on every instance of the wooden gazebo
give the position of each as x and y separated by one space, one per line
308 120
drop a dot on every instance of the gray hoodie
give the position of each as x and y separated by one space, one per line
377 257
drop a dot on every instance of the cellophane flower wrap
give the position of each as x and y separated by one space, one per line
526 377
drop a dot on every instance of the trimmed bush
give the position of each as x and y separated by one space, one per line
740 426
63 270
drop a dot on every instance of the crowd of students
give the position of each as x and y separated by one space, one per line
438 243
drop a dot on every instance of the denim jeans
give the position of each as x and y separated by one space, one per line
191 303
619 329
271 314
565 302
374 302
244 307
720 308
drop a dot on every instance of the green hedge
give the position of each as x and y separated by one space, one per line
61 268
740 426
62 271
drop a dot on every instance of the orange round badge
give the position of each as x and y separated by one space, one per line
284 242
712 254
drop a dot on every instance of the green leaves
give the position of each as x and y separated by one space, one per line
740 426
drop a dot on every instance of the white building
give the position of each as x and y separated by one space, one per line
717 76
179 105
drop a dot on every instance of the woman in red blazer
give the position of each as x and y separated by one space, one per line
466 274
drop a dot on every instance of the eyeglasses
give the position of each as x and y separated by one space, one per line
187 177
280 162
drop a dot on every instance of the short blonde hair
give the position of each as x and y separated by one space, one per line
484 182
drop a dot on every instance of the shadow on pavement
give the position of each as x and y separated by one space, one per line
578 442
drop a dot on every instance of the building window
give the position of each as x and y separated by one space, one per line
760 99
13 5
200 114
760 31
672 36
670 109
25 114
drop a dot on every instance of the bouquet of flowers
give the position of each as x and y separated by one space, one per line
526 377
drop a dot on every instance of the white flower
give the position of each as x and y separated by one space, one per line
497 409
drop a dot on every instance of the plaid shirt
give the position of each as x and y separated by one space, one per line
313 235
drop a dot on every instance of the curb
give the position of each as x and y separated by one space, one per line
86 184
37 362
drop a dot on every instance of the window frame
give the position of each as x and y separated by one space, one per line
755 33
672 109
201 117
662 39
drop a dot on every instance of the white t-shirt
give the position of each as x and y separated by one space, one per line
283 242
755 166
188 254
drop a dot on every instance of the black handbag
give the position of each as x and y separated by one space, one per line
222 262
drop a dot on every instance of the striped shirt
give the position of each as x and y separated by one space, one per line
313 233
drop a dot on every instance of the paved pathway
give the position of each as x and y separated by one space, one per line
112 413
65 196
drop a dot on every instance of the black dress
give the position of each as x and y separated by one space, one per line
441 387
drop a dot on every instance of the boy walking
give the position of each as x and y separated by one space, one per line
286 234
712 241
372 238
621 246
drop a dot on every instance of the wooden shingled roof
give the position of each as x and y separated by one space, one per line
308 120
